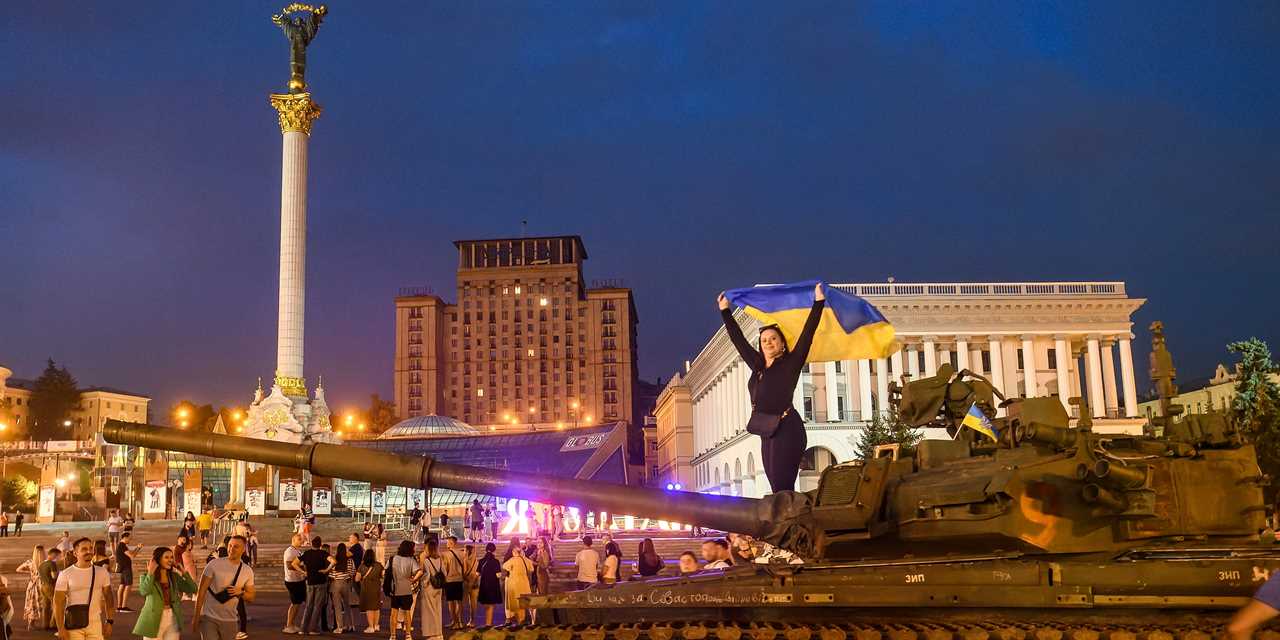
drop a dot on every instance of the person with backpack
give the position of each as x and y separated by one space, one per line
431 594
398 582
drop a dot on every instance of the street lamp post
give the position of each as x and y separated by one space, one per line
573 407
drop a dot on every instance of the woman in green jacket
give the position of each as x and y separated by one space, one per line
162 586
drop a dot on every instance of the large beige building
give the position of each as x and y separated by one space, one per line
674 435
1061 339
527 342
96 406
1217 394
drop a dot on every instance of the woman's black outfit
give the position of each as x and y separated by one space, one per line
490 571
648 565
771 389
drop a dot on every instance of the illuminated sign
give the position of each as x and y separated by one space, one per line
518 521
578 443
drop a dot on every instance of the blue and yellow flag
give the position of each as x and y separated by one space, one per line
850 329
977 420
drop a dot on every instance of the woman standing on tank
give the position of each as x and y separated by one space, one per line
775 371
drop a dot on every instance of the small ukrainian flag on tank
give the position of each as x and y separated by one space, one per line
977 420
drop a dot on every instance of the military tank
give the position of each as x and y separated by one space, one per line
1047 530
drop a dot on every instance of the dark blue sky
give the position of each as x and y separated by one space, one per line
695 146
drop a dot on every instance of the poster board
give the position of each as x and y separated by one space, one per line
155 490
255 492
154 498
416 496
377 500
191 492
255 501
289 492
322 501
48 503
290 495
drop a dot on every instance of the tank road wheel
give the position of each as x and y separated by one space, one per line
661 632
797 632
626 632
761 631
528 633
465 634
493 633
560 633
728 631
1082 634
591 632
831 633
1046 633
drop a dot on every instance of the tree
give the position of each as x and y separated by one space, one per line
1256 407
54 397
381 415
886 427
17 493
189 415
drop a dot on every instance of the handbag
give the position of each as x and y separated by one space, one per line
76 616
764 424
436 579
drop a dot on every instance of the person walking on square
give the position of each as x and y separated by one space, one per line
4 524
454 575
84 584
340 575
775 371
470 585
588 563
316 563
223 584
18 517
204 524
124 555
477 520
518 571
543 560
114 525
33 602
490 570
48 575
371 592
162 587
431 592
404 573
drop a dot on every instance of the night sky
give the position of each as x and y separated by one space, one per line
694 146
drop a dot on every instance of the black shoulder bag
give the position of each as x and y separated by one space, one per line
76 616
225 595
761 423
436 579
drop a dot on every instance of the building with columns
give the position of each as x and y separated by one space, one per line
1031 339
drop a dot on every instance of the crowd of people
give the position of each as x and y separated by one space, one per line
334 586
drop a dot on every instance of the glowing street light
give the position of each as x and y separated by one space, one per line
360 427
182 424
60 482
588 418
66 423
3 426
350 418
182 413
237 415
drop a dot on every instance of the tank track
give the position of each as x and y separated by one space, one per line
897 630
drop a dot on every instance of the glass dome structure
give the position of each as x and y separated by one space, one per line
427 427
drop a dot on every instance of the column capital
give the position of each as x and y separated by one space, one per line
1094 337
929 339
1124 337
963 338
1108 341
1027 337
995 337
296 110
1062 336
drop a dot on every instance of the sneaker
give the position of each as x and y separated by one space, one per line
291 630
240 635
125 609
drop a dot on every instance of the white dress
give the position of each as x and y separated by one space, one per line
431 601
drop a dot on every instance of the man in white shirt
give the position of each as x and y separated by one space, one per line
454 572
223 584
588 562
295 582
716 553
80 584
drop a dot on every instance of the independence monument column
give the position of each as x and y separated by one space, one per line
287 413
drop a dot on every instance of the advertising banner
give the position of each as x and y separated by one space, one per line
48 496
378 502
154 496
255 501
415 497
191 502
290 494
321 502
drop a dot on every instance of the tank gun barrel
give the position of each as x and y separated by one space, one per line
728 513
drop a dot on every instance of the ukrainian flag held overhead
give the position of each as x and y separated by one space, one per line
850 329
977 420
